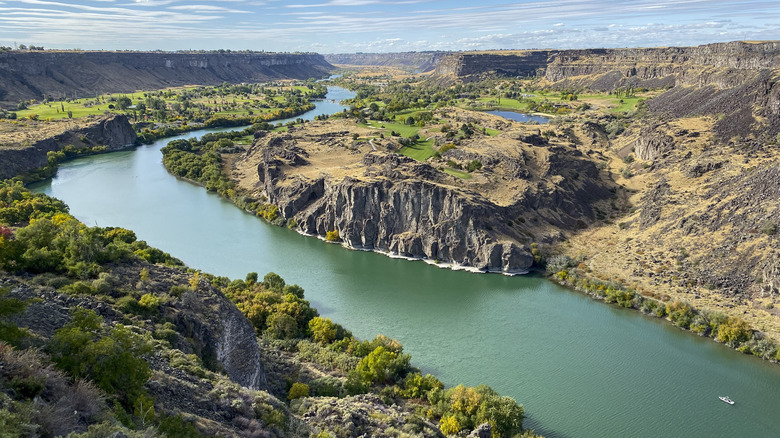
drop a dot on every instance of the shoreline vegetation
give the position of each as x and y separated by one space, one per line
200 161
179 158
42 244
731 331
205 170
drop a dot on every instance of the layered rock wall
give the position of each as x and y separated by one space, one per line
415 61
405 216
113 131
723 64
33 75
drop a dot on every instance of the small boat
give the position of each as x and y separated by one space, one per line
726 399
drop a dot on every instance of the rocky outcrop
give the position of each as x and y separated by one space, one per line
207 323
464 65
390 203
33 75
362 416
113 131
409 218
484 430
413 61
652 143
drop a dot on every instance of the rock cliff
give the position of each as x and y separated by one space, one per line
22 151
468 65
206 322
378 200
33 75
723 65
414 61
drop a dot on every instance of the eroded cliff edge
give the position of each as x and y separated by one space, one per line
527 190
31 75
25 146
721 64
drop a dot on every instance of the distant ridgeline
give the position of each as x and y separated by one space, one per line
721 64
61 74
412 61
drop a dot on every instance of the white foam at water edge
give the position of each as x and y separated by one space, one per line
452 266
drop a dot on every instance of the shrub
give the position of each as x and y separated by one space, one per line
382 366
558 263
680 313
112 358
149 302
333 236
325 387
734 331
9 332
449 425
322 329
418 386
298 390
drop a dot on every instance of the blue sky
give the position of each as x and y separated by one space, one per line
343 26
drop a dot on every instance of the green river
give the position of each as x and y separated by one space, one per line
580 367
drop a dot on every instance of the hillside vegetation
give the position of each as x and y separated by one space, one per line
100 333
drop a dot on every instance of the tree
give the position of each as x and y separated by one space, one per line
123 103
251 278
734 331
294 289
322 330
282 326
273 282
298 390
382 366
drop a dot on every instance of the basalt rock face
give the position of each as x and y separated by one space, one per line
408 217
465 65
723 65
31 75
652 143
391 203
113 131
206 323
415 61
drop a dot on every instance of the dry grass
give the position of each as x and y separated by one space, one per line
17 134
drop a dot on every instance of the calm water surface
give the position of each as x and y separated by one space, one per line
519 117
580 367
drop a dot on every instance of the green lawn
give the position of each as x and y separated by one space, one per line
456 173
404 130
492 132
420 151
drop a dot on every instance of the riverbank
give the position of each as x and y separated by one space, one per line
307 360
459 326
730 331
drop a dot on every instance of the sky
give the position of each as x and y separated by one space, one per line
348 26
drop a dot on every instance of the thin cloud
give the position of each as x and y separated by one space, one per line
382 25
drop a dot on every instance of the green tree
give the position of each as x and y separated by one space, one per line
282 326
123 103
273 282
734 331
298 390
382 366
322 330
